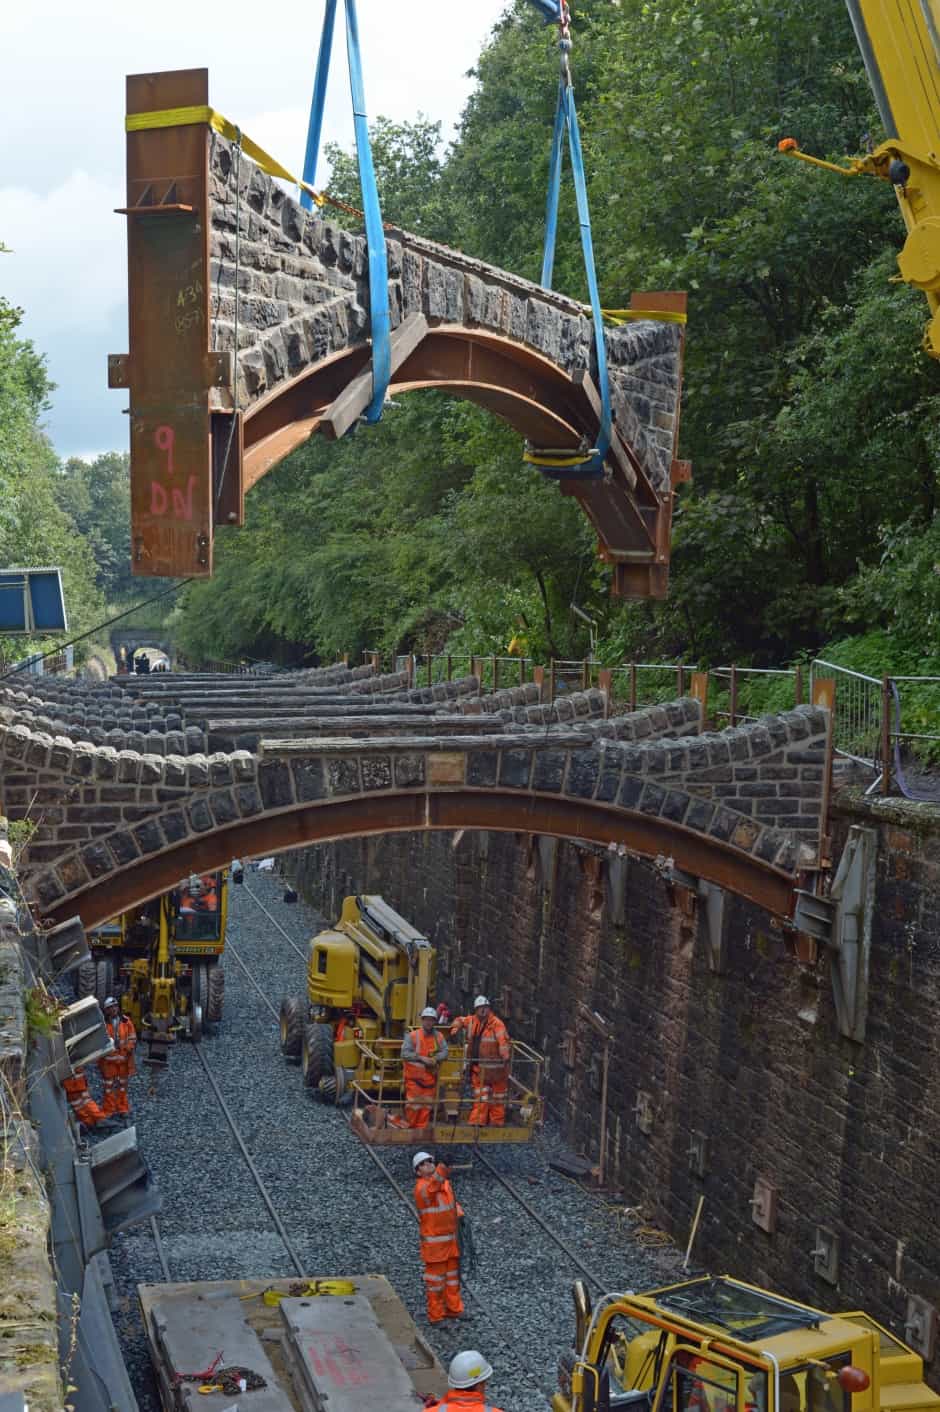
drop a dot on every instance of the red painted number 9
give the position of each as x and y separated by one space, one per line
164 438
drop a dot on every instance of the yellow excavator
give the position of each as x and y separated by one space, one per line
715 1344
900 45
162 961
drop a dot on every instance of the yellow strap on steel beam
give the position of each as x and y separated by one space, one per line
186 117
544 456
661 316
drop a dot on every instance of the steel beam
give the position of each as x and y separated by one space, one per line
170 368
497 811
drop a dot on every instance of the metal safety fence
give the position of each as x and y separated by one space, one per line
874 718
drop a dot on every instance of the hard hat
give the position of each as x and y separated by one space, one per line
480 1000
467 1369
109 1002
428 1013
194 885
420 1157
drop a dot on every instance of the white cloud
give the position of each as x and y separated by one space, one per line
62 172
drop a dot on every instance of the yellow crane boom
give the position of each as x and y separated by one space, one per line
900 46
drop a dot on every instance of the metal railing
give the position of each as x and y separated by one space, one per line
869 713
859 717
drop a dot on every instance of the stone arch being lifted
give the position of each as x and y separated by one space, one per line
205 426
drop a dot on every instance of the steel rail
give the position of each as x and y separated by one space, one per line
259 1181
396 1186
161 1253
274 921
531 1211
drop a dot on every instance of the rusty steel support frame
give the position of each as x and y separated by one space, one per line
170 367
417 812
191 463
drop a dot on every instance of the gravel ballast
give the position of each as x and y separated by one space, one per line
341 1215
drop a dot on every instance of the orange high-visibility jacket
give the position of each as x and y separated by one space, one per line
124 1038
488 1042
76 1088
438 1210
460 1399
427 1045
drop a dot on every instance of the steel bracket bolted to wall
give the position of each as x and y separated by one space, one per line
842 922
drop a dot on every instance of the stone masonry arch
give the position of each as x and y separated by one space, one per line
250 327
739 808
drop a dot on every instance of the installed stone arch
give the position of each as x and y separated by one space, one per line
740 808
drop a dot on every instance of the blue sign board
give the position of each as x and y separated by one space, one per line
31 601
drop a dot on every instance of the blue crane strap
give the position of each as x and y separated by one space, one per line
550 9
315 126
566 116
375 231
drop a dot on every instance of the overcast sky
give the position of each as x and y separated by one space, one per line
62 117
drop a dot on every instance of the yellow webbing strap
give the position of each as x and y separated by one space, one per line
661 316
536 456
185 117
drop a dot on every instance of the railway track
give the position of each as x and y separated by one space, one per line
260 1181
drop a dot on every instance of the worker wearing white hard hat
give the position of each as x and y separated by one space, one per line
117 1066
422 1052
467 1377
488 1052
438 1216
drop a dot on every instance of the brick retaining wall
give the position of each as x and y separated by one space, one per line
846 1135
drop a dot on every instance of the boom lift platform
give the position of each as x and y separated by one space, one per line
368 979
301 1345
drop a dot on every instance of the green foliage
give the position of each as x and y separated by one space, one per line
34 529
810 412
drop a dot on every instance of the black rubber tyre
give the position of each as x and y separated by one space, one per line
335 1088
199 991
84 979
104 980
216 999
316 1056
294 1009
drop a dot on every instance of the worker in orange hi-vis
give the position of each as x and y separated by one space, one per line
422 1052
86 1110
438 1215
467 1377
488 1052
118 1066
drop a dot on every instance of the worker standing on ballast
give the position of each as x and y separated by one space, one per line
438 1216
488 1052
422 1052
117 1067
466 1383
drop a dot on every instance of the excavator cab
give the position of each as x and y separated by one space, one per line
715 1344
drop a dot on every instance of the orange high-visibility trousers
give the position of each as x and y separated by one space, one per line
489 1102
114 1075
417 1103
442 1289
